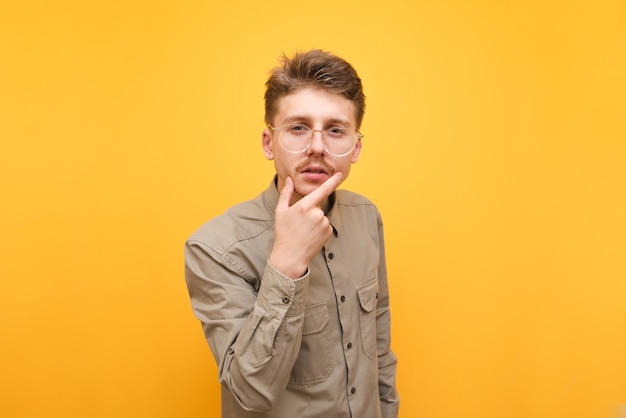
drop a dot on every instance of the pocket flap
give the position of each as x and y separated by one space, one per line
315 318
368 295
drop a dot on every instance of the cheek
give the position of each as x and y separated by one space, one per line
344 168
283 163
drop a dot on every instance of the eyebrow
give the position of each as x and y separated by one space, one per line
296 118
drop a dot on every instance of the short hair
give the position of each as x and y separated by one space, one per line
315 68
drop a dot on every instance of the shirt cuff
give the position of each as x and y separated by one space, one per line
281 296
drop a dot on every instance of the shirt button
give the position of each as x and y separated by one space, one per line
331 255
353 391
286 299
342 298
349 346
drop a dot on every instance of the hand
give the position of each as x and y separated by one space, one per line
301 230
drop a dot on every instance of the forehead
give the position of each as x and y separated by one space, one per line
316 105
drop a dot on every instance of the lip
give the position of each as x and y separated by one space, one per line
315 172
314 168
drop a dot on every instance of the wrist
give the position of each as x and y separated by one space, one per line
288 268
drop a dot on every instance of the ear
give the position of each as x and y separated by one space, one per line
266 142
357 151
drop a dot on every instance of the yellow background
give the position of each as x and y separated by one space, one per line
495 148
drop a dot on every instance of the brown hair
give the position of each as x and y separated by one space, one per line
314 68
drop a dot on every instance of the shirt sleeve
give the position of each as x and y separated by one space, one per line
387 361
253 335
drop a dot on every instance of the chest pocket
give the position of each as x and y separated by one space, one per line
313 364
368 299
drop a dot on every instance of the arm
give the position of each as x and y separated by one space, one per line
387 361
254 338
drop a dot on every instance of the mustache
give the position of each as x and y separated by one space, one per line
315 163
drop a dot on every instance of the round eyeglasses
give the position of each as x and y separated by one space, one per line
298 137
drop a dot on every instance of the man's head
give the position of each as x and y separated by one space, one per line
318 69
314 107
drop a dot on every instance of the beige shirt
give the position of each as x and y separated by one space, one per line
318 346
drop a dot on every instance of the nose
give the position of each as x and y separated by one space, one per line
317 143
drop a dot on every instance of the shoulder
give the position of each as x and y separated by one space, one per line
242 222
354 205
347 198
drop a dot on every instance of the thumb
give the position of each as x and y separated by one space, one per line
286 193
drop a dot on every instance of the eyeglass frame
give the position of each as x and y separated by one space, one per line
358 135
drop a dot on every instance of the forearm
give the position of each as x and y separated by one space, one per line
257 366
388 393
387 363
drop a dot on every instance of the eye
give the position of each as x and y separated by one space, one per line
298 129
336 132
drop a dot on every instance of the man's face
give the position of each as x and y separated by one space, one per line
319 109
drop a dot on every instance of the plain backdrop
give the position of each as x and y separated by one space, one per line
495 149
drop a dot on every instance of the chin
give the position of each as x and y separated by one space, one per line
305 188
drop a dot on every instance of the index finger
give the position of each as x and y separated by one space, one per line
284 198
317 196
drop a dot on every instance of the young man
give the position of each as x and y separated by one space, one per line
291 287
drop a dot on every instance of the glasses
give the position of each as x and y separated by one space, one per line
298 137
